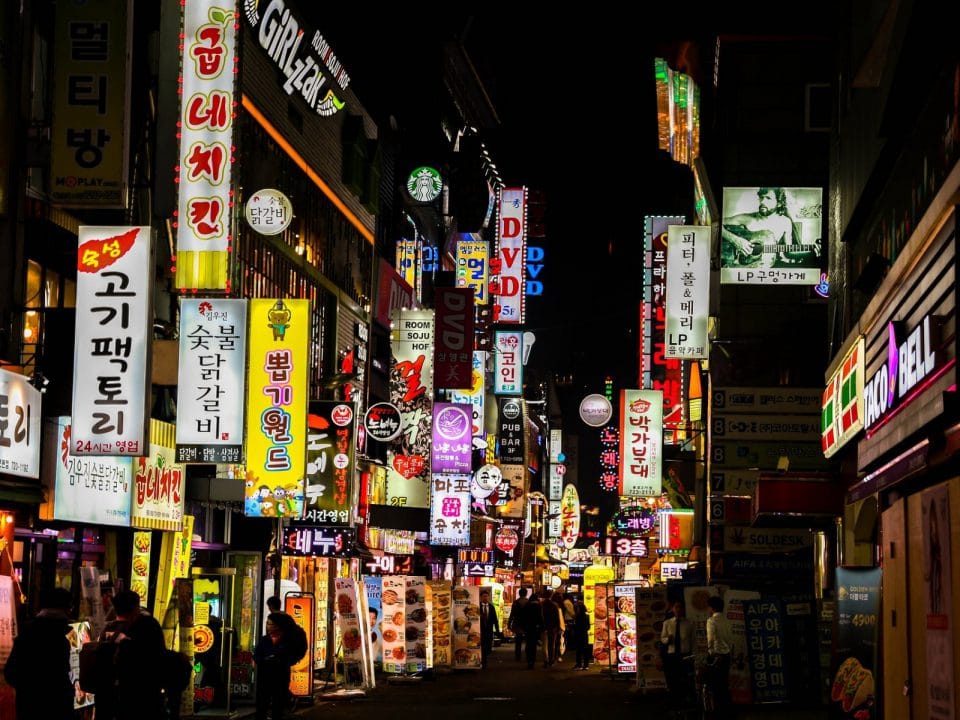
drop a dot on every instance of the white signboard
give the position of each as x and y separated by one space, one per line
269 211
508 370
509 289
688 291
213 350
19 426
91 490
641 443
450 510
112 347
595 411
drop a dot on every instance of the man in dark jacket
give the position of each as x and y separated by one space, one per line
515 621
39 664
489 624
532 627
273 660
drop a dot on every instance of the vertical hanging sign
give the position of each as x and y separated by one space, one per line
641 443
207 75
110 369
473 259
509 287
688 291
331 432
508 368
453 353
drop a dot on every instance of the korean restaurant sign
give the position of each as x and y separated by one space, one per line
269 211
911 358
569 516
453 350
641 443
452 439
688 291
20 413
112 347
305 540
304 59
508 288
90 489
90 134
207 76
473 268
331 435
595 410
450 510
508 368
159 483
843 406
277 386
213 353
474 397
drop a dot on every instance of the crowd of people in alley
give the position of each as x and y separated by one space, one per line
553 621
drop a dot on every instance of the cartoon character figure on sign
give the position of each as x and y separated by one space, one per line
279 317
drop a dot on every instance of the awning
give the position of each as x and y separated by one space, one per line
21 492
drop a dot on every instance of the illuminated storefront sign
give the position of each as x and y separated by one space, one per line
842 414
641 442
314 541
534 266
269 211
596 410
453 352
626 547
688 291
408 262
473 258
452 438
475 396
20 413
159 484
569 516
508 368
609 458
509 286
112 347
510 435
331 440
424 184
450 510
676 529
633 521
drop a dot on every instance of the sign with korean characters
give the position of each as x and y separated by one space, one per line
90 489
331 435
160 484
112 347
765 641
508 287
20 414
451 447
474 396
453 352
473 260
393 603
90 134
641 443
515 476
213 354
508 368
450 510
569 516
300 608
466 627
305 540
207 77
269 211
277 386
688 290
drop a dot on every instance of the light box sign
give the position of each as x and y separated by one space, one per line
20 412
511 432
633 521
331 467
626 547
94 490
474 397
515 476
676 529
843 401
641 443
450 510
424 184
473 268
771 236
569 516
534 266
268 211
688 291
160 484
393 293
408 263
509 286
277 385
912 358
452 447
453 353
205 205
213 355
316 541
112 347
508 368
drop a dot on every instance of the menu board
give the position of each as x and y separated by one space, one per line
651 604
601 625
625 639
78 634
415 629
300 608
140 566
373 586
764 628
441 612
592 576
348 621
393 624
428 606
466 627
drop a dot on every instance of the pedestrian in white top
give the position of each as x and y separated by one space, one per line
719 647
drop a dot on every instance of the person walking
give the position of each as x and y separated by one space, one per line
515 623
580 637
489 624
719 647
677 637
568 608
532 627
551 629
39 664
273 659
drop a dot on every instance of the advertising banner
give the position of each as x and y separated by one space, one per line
113 331
452 445
20 413
509 287
466 627
160 484
688 291
207 77
453 351
78 634
373 587
450 510
569 516
475 395
856 638
416 626
331 434
695 599
651 611
641 443
89 138
603 613
140 565
625 627
843 400
764 632
442 614
473 265
594 576
508 368
347 607
938 596
393 293
510 434
516 476
393 599
300 608
8 618
277 388
213 357
741 691
771 236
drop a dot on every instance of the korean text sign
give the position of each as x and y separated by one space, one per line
452 438
450 510
19 426
473 257
641 442
508 368
688 290
277 386
331 439
474 396
453 350
213 351
159 484
112 347
508 288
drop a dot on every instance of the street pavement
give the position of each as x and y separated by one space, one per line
508 689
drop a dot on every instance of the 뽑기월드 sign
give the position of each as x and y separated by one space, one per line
213 355
277 407
112 346
331 434
20 414
688 290
508 368
641 442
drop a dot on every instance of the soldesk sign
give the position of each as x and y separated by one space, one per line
910 361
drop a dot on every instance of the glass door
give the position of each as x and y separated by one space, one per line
246 623
213 612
